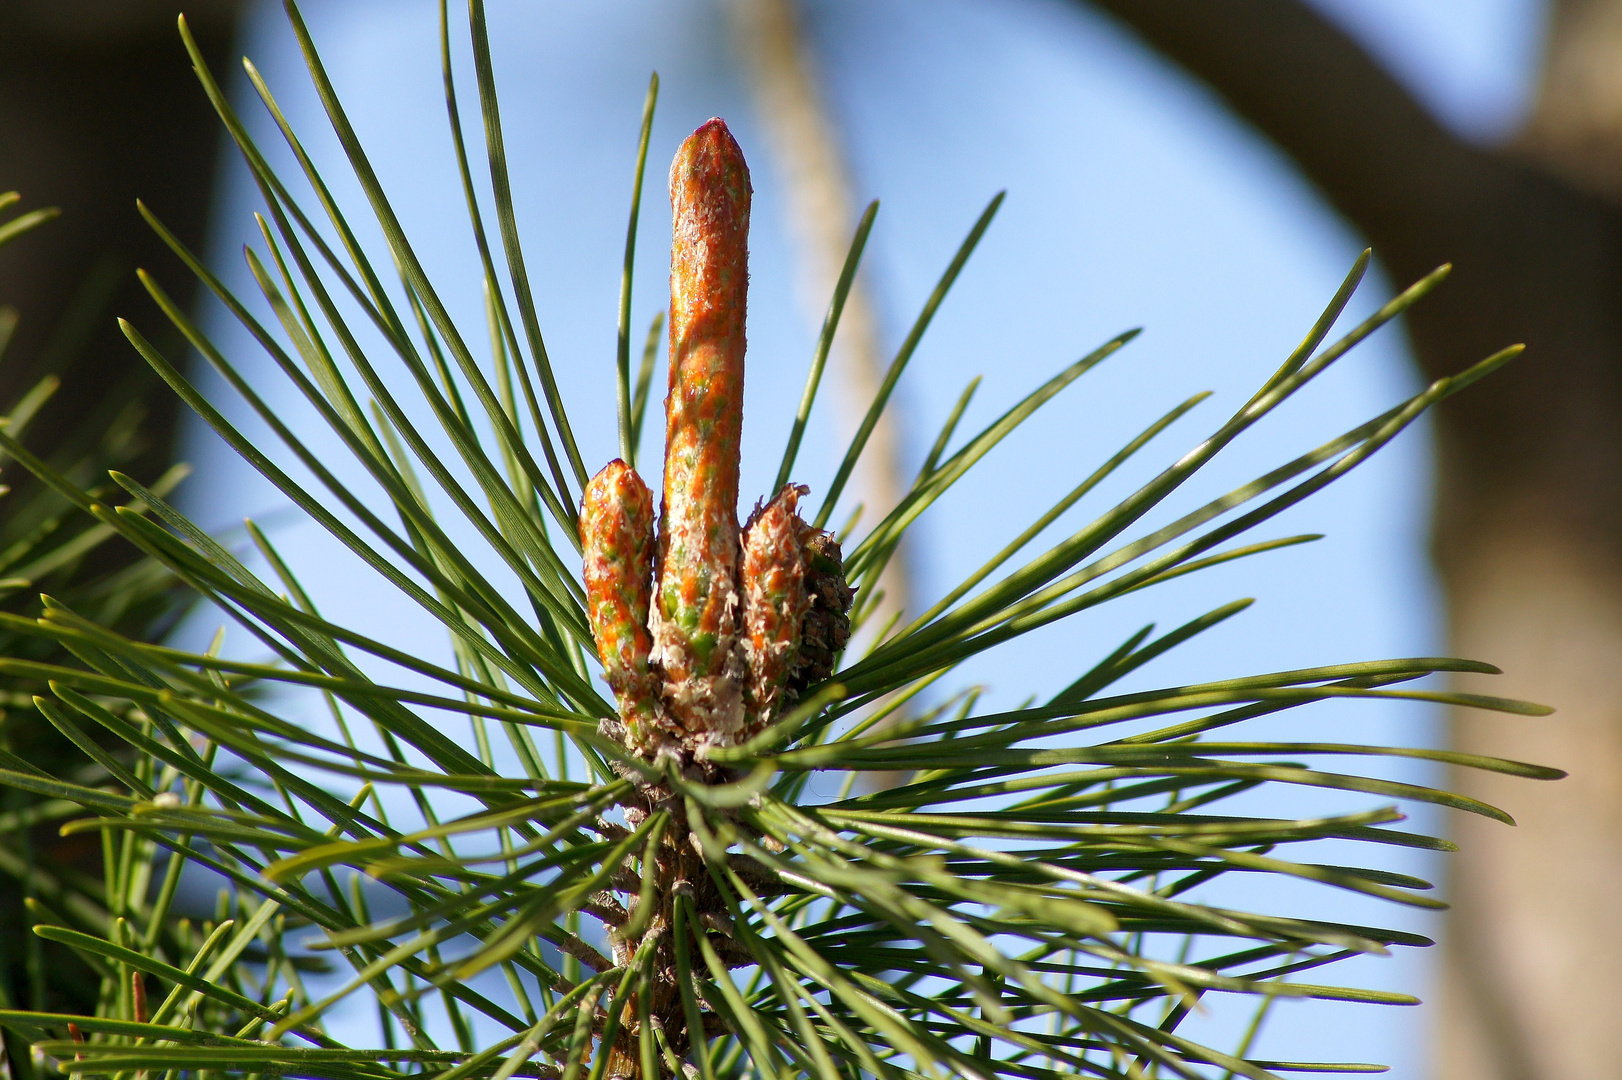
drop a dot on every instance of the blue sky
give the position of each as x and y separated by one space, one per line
1133 200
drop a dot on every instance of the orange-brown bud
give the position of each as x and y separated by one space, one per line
775 601
616 538
695 616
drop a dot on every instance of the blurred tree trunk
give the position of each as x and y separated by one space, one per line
1528 524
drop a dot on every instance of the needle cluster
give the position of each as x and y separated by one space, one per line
697 878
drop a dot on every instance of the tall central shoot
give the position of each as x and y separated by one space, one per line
700 635
695 619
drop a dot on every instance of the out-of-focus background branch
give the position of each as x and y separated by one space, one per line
809 163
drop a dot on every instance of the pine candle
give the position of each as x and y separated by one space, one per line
700 634
696 613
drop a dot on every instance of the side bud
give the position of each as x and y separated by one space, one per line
825 630
775 601
616 537
695 616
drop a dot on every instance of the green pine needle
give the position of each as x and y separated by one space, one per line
1024 900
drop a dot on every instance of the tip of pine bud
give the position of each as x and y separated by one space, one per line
616 487
710 160
615 476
